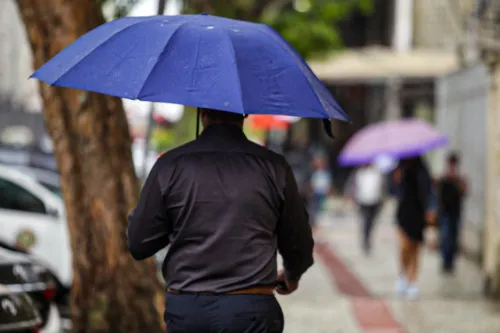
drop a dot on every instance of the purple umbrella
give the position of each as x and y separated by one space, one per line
398 139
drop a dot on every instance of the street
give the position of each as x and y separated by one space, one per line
348 292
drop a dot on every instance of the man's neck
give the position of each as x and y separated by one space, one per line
226 123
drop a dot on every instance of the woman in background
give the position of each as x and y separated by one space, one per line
414 197
368 194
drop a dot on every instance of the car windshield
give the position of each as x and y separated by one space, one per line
53 188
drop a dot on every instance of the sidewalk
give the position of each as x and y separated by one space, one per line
359 297
317 307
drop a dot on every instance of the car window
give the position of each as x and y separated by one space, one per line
17 198
54 189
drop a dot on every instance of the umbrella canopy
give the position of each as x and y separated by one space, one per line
397 139
196 60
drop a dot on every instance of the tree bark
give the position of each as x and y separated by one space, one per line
110 292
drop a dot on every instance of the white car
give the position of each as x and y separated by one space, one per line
33 218
49 179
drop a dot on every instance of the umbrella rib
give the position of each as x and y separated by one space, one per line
164 49
88 53
230 41
295 58
304 67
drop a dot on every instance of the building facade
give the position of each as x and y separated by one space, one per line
488 32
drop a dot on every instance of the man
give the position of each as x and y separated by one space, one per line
452 188
225 205
368 194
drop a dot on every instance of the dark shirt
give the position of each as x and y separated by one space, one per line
225 205
450 196
414 197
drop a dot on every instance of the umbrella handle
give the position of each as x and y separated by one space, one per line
328 128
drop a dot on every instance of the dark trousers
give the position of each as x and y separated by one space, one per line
369 214
196 313
449 234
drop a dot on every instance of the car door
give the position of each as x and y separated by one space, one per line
26 223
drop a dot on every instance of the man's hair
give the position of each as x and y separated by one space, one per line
453 158
223 116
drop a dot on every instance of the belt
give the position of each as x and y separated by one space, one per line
258 290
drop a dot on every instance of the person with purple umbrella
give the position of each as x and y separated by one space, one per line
415 200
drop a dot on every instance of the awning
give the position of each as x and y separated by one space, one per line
379 64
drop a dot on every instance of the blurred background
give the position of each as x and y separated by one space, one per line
433 60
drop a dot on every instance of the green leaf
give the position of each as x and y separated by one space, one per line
120 8
308 25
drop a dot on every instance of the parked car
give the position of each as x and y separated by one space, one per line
31 156
19 273
32 218
49 179
17 313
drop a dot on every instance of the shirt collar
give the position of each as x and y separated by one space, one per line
223 130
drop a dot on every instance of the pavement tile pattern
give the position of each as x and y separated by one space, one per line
346 291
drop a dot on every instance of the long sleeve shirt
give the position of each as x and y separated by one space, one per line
226 206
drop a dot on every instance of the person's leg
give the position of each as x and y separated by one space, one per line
404 252
364 225
191 313
454 240
412 271
184 314
318 199
402 282
312 210
370 221
445 237
248 314
413 261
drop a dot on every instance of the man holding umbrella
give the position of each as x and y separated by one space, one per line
225 205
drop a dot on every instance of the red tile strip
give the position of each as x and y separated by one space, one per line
372 314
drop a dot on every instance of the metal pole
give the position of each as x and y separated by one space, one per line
161 9
197 122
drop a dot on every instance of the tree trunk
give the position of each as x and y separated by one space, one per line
110 292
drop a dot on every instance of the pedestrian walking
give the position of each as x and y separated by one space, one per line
321 187
368 194
452 188
299 158
414 197
225 205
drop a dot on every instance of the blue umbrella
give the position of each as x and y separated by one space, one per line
197 60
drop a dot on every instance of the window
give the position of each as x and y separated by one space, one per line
53 188
17 198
